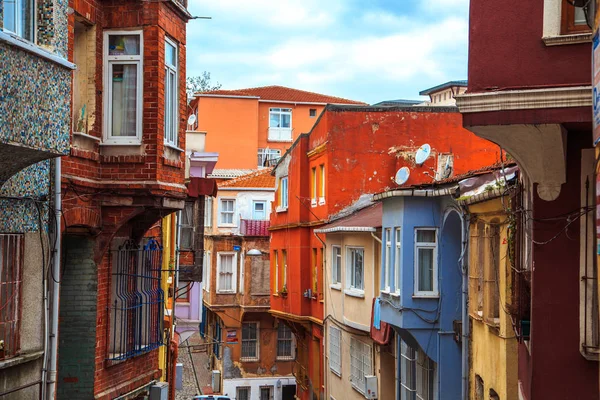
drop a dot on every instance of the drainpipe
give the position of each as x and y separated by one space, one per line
465 217
55 284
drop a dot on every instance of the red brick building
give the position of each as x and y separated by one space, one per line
125 172
351 153
530 92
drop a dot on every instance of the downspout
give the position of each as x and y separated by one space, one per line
465 217
175 221
51 382
324 280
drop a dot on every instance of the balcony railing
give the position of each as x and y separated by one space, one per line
254 227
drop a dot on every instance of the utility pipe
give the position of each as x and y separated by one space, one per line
465 217
51 382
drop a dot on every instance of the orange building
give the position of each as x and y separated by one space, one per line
251 128
351 153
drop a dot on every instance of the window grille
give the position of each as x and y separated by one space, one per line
335 355
424 377
266 393
408 381
250 341
137 301
11 264
285 339
360 363
217 340
242 393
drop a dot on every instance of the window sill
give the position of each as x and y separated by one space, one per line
560 40
338 374
285 358
281 209
357 389
85 135
129 143
336 286
355 293
226 226
245 359
226 292
172 146
21 359
426 296
279 140
313 202
321 201
23 44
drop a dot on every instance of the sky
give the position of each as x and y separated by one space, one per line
366 50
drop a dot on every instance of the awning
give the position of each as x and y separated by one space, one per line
367 219
202 187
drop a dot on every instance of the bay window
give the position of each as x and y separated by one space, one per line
280 124
171 94
123 81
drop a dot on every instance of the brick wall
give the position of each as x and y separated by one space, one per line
77 327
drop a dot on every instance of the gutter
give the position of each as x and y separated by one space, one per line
447 191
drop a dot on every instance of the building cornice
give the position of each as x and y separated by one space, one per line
504 100
559 40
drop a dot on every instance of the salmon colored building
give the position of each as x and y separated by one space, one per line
262 122
351 153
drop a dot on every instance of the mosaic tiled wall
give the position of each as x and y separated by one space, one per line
33 184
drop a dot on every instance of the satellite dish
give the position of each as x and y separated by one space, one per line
192 119
402 175
422 154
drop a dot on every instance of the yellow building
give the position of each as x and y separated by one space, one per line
351 283
493 361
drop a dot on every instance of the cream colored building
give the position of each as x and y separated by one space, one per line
351 282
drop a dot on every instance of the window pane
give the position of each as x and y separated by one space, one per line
10 16
124 45
426 236
124 99
170 55
286 120
425 269
274 120
259 206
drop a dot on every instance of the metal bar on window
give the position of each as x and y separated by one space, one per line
11 262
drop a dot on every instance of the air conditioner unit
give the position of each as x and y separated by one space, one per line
370 387
216 381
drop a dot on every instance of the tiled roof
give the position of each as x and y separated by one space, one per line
443 86
282 93
258 179
229 173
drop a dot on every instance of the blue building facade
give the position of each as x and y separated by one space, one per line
421 275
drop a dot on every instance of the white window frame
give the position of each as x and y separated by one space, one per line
221 212
108 62
283 194
313 185
276 134
351 288
237 392
187 229
284 266
292 340
207 265
171 94
336 267
276 274
18 28
208 212
426 245
265 154
387 260
264 203
335 350
322 184
397 259
256 341
234 272
361 363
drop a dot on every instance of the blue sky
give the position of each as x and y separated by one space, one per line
368 50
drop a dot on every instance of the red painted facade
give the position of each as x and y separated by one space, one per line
507 52
360 150
119 191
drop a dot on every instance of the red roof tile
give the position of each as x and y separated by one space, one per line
282 93
258 179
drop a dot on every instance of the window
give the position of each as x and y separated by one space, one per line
242 393
355 268
11 265
426 261
424 376
268 157
573 19
387 260
187 226
315 271
266 393
313 186
123 68
250 341
491 288
183 292
275 261
217 340
19 18
360 364
417 374
208 211
284 266
206 266
477 259
285 342
312 112
280 124
226 275
335 353
336 268
259 210
136 299
321 184
227 212
397 261
283 193
171 94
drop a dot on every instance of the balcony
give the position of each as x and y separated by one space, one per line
254 227
277 134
